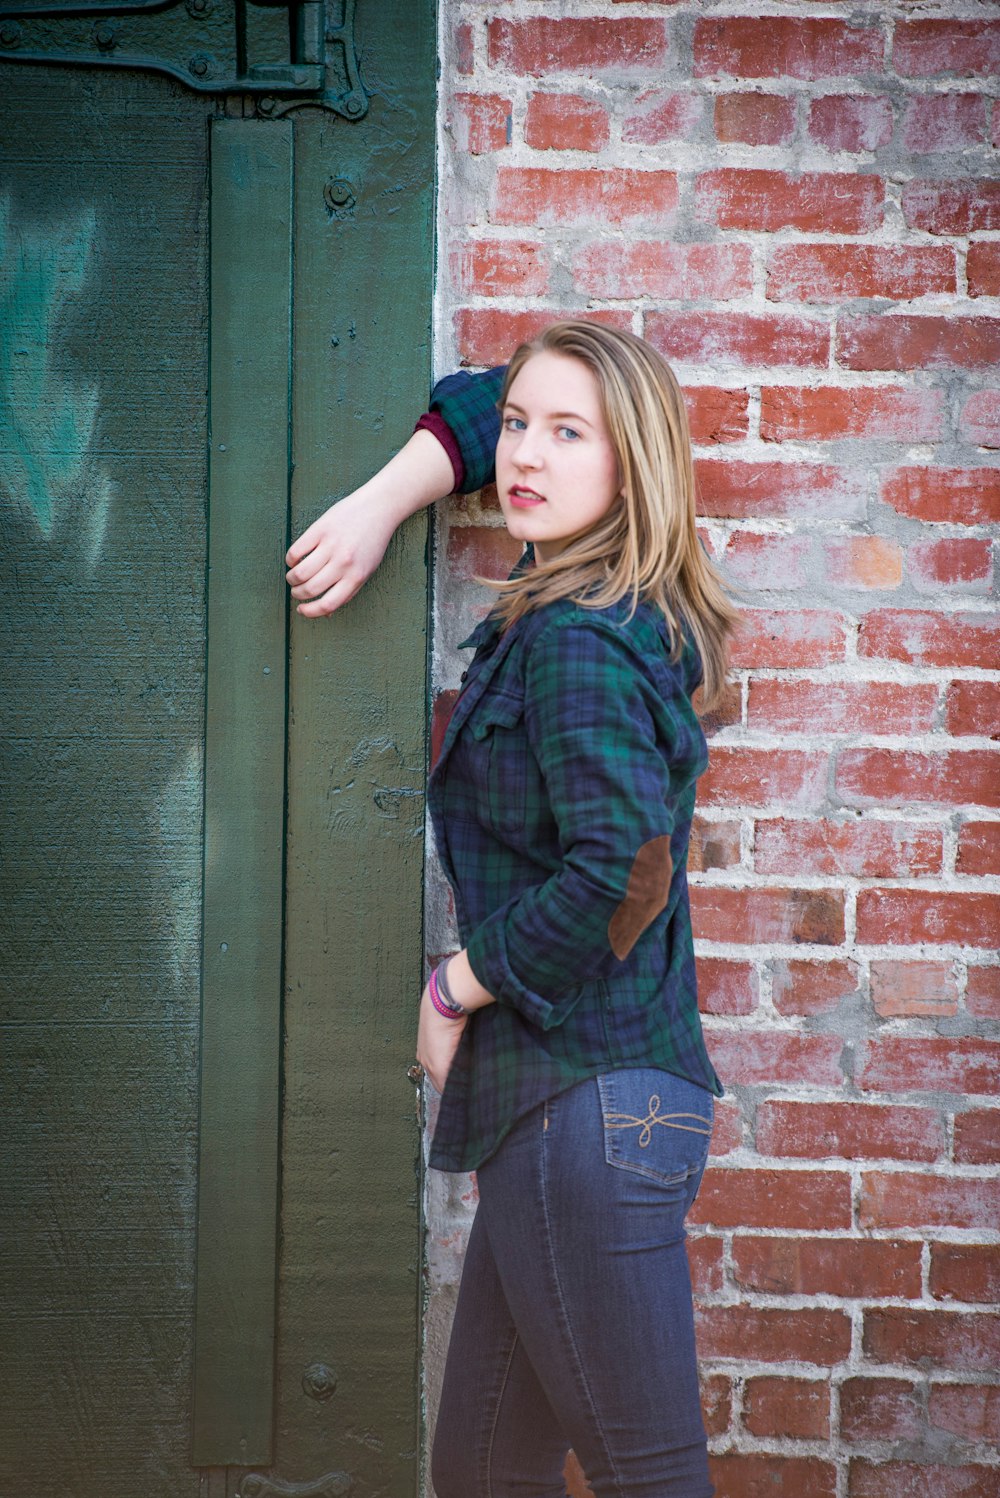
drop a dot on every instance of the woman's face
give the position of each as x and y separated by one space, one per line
557 472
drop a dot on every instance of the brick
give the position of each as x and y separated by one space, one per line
731 1197
727 1130
480 123
848 1267
742 338
784 47
956 496
764 201
465 55
541 196
541 45
742 491
956 562
947 1339
714 845
930 638
705 1263
444 703
977 1136
858 846
776 638
879 1409
480 551
833 272
922 49
913 988
565 122
763 777
973 707
868 1479
760 915
905 342
982 268
656 117
796 1407
728 710
982 992
754 119
487 336
716 1403
657 268
826 413
746 1057
500 267
850 1131
921 916
726 987
841 707
769 1476
851 122
716 415
901 1199
913 1063
951 207
979 421
863 562
968 1271
878 777
968 1410
821 1337
944 122
811 987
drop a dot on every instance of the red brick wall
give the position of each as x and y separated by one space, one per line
801 209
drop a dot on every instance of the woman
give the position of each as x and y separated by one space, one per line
564 1036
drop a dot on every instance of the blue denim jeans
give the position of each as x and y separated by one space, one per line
574 1322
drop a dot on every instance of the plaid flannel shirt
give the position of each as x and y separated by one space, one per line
562 802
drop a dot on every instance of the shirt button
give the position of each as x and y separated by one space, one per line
463 676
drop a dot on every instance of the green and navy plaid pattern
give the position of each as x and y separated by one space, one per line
572 746
468 403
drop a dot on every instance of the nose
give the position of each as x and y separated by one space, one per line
526 451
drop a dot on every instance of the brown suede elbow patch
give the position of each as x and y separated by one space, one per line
646 894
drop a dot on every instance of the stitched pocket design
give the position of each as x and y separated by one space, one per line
655 1124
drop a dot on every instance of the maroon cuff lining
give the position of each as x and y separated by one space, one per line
434 422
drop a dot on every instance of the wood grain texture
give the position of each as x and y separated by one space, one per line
251 292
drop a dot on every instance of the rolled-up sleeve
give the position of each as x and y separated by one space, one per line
602 734
467 403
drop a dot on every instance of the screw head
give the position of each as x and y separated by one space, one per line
339 193
319 1381
10 34
199 7
104 35
199 65
353 105
266 105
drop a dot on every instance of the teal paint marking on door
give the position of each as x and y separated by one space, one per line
251 187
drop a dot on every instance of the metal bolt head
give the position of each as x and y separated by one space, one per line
319 1381
105 35
199 65
354 105
199 7
266 104
10 34
339 193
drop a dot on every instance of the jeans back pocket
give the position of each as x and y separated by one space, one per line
655 1123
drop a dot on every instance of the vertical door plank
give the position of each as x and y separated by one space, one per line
251 184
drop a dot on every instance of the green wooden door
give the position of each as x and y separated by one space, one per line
215 318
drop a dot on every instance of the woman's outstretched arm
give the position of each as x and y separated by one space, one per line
331 560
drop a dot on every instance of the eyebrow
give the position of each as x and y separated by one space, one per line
552 415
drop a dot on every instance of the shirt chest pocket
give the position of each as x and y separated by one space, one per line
502 763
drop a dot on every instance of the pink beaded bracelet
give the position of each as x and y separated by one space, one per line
444 1008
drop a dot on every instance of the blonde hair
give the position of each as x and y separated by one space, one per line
647 547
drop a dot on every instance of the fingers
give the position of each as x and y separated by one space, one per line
342 591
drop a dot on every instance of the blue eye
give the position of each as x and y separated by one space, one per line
569 432
513 424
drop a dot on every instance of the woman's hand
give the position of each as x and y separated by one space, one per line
339 552
437 1041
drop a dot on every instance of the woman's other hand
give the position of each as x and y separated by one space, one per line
331 560
437 1041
